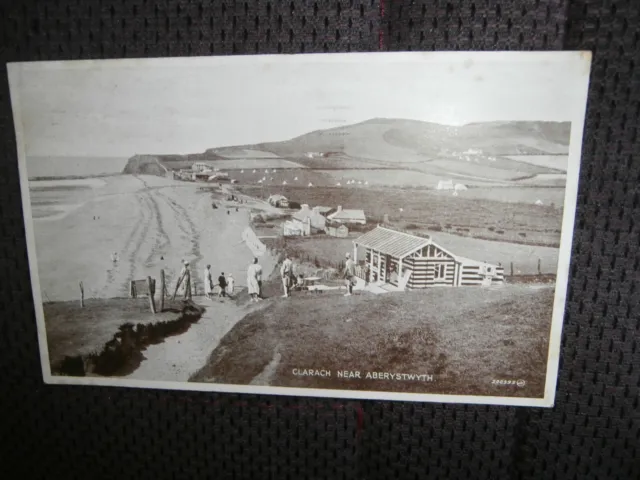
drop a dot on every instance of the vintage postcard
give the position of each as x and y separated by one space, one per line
378 225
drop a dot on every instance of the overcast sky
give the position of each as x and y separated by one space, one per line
112 109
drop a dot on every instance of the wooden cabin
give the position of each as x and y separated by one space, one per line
410 262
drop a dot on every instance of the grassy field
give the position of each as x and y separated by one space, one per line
559 162
540 225
77 332
326 251
464 337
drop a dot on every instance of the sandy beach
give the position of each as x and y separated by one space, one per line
151 222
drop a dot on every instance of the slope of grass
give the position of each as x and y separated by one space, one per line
464 337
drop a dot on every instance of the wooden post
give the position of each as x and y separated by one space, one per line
162 290
132 289
512 269
81 295
195 288
539 267
151 287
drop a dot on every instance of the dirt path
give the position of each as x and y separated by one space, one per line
177 358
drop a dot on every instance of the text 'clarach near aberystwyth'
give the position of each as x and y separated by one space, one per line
363 375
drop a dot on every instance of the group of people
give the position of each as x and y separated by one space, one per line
226 283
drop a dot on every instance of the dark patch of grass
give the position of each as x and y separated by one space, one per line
465 337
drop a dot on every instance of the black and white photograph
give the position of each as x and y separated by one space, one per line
367 225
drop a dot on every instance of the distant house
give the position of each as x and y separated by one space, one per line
200 167
460 187
310 220
218 177
278 201
292 229
410 262
445 185
340 231
200 176
324 211
348 216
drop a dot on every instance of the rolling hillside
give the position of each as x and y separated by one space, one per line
477 149
493 151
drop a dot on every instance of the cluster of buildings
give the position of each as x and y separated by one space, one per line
319 219
200 172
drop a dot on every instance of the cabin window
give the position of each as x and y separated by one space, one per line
488 269
440 271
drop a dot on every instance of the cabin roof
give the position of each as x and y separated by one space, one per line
392 242
348 214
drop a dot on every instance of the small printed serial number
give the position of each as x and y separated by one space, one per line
517 383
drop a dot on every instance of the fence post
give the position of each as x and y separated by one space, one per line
512 269
81 295
162 290
132 289
151 287
539 267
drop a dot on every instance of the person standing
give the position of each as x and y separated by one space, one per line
254 279
286 273
208 282
222 283
231 283
184 280
349 274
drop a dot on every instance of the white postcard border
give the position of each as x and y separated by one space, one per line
577 119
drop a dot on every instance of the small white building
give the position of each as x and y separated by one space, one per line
292 229
445 185
278 201
200 167
348 216
309 220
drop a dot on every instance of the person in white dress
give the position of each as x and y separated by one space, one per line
231 283
208 282
254 277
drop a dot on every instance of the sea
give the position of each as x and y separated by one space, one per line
74 166
67 182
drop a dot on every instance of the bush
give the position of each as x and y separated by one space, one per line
294 205
435 228
411 226
448 225
258 219
500 232
492 229
522 234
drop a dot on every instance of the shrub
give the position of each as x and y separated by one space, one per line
435 228
500 232
448 225
522 234
294 205
492 229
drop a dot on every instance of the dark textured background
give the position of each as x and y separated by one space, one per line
594 429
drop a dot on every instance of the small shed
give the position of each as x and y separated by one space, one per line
340 231
292 229
278 201
445 185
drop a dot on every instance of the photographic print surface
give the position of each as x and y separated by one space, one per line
392 225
